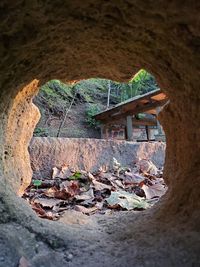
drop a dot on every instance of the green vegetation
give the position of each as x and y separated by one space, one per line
37 183
40 132
91 110
141 83
54 95
55 98
76 176
57 93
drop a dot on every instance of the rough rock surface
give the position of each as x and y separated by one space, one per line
89 154
112 39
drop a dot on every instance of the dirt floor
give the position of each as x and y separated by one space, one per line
99 241
75 124
115 239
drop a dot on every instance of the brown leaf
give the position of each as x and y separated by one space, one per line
47 202
37 208
71 187
62 194
100 186
44 214
55 193
50 216
91 176
23 262
63 173
147 167
117 184
85 210
50 192
103 168
133 178
86 195
156 190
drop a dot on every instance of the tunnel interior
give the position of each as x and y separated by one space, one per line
109 40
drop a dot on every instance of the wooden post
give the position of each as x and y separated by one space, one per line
108 99
148 132
160 131
161 135
129 128
102 131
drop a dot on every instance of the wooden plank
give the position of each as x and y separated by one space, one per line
149 122
131 104
158 97
138 109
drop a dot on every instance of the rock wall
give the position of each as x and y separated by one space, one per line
76 39
88 154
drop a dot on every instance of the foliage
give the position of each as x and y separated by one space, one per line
127 200
76 176
141 83
56 87
40 132
95 89
55 96
37 183
91 110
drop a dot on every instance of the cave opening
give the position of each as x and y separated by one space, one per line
83 161
74 40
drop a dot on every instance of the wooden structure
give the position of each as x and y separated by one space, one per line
124 116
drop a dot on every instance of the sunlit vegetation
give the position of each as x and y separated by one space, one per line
55 99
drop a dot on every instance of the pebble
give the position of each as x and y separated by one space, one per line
69 256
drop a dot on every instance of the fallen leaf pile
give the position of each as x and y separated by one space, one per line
119 188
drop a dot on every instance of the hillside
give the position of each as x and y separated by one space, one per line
70 106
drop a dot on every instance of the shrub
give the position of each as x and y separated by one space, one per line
40 132
91 110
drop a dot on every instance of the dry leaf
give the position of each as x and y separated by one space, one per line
85 210
147 167
63 173
92 191
91 176
37 208
156 190
103 168
47 202
126 200
100 186
50 192
133 178
117 184
71 187
86 195
55 193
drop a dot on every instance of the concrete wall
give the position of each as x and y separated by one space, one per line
88 154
